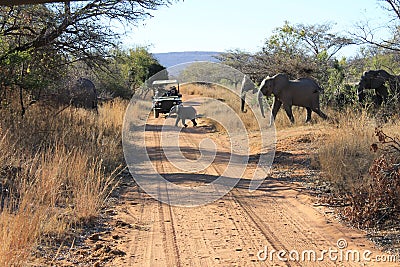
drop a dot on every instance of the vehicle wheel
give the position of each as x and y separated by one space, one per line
156 113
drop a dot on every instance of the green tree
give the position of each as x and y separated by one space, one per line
303 50
320 40
142 65
298 50
128 70
39 43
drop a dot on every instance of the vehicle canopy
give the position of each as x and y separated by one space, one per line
161 87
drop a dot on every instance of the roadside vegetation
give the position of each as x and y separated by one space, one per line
56 171
359 160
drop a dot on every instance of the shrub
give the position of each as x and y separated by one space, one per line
365 184
378 202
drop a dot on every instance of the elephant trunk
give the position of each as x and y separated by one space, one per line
260 102
360 92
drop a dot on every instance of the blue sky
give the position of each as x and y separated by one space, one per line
221 25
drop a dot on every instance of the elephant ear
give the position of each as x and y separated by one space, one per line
280 81
262 87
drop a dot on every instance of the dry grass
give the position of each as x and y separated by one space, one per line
299 113
19 232
345 155
357 162
362 178
56 170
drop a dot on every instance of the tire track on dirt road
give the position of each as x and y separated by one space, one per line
167 220
250 228
250 233
254 222
201 252
232 230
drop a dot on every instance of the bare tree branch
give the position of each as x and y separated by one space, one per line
367 35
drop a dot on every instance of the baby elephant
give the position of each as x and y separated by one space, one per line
184 113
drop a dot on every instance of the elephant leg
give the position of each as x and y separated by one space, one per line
378 99
243 102
177 120
277 105
288 109
361 97
320 113
183 122
382 92
308 118
194 122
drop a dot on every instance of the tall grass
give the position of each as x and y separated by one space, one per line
19 232
363 178
345 154
57 167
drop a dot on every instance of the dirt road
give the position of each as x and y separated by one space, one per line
276 225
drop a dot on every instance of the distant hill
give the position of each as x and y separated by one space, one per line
174 58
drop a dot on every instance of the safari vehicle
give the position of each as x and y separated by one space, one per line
166 95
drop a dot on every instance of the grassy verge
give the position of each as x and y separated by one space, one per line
362 169
345 154
56 170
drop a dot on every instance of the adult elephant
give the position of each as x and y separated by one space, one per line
376 79
247 85
302 92
83 94
80 93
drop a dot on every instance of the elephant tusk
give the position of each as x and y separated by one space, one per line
242 106
243 100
